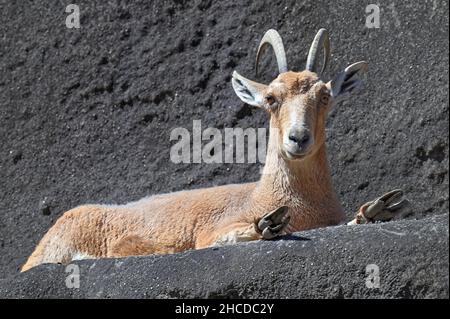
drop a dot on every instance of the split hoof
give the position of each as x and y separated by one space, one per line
273 224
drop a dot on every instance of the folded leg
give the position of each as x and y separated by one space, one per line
269 226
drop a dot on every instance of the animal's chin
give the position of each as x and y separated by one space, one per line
291 156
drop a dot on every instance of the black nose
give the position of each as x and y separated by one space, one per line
300 138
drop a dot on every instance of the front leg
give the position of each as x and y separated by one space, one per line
384 208
269 226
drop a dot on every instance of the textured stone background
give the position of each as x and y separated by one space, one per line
85 115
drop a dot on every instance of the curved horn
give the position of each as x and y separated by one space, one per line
273 38
320 40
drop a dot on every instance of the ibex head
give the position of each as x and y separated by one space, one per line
299 101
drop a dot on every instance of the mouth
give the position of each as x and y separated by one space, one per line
291 155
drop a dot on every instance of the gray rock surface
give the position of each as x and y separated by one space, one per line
412 257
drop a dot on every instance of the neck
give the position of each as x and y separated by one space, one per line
303 186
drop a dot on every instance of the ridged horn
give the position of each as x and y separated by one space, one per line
273 38
320 40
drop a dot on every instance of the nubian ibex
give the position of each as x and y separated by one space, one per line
294 192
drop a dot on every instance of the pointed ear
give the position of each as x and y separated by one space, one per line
248 91
347 81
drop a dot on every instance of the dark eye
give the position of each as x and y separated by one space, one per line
324 99
270 100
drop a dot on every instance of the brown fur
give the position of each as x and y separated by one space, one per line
200 218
